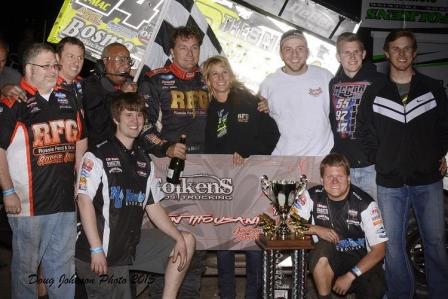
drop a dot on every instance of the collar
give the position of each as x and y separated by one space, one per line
123 148
181 74
28 87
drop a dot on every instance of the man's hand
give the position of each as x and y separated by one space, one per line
180 252
98 263
177 150
129 87
343 283
10 90
325 233
263 105
12 204
442 167
237 159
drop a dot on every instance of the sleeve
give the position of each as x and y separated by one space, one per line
150 136
264 92
442 122
8 122
97 113
372 225
153 192
81 124
210 131
267 134
332 114
89 178
366 132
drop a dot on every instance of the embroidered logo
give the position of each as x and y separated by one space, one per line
315 92
243 117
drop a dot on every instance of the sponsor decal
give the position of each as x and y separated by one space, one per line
142 173
141 164
199 187
87 165
115 170
168 82
350 244
166 77
82 183
315 92
323 217
127 197
113 163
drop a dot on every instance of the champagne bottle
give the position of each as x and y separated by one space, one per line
176 167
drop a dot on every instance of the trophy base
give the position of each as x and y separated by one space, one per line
291 243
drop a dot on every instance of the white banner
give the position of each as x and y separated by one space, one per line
404 14
220 203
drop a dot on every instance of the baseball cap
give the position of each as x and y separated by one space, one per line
294 33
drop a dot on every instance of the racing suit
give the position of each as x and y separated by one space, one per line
177 103
358 222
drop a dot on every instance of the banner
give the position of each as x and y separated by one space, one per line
99 23
219 202
404 14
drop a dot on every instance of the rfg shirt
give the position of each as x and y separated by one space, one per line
357 221
40 137
120 183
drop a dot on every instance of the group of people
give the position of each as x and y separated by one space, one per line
383 138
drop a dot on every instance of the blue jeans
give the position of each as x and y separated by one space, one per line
427 203
48 240
226 274
365 178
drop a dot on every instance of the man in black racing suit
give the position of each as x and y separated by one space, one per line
177 102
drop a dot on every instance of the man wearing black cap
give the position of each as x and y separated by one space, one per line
298 99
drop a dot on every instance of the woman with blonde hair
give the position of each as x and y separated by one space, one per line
235 126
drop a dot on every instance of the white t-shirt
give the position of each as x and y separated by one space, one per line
300 105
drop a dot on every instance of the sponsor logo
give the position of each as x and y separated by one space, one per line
199 187
166 77
82 183
243 117
115 170
168 82
126 197
113 163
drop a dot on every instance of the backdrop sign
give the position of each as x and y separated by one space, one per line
220 203
404 14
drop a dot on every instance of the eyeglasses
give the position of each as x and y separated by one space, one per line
121 60
47 67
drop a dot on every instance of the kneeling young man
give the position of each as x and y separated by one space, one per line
115 187
351 242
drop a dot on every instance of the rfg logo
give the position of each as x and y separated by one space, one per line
204 187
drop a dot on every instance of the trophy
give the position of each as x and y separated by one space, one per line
282 194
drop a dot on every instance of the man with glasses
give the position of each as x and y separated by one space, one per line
404 130
346 93
39 141
111 76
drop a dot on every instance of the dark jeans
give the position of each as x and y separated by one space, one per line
226 273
